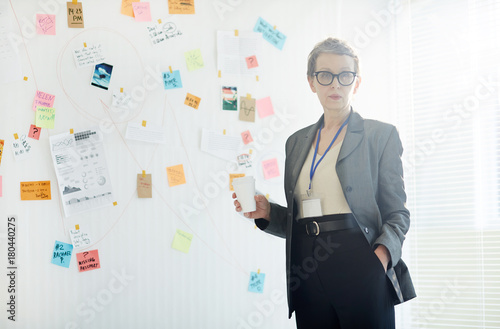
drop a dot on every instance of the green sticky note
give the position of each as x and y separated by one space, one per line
194 61
182 241
45 117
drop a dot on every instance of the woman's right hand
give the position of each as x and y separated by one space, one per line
263 208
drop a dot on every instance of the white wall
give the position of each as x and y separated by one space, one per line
206 288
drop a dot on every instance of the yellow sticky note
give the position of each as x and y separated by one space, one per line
25 78
71 131
144 123
35 190
194 61
182 241
121 90
16 136
175 175
127 8
192 100
182 7
231 177
115 203
77 227
45 117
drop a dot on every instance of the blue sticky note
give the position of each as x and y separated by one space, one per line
172 80
256 283
275 37
62 254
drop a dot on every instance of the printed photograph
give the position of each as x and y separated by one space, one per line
102 75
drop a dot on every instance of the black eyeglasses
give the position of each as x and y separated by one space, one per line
325 78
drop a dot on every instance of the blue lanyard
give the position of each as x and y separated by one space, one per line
313 167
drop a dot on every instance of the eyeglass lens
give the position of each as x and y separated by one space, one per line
325 78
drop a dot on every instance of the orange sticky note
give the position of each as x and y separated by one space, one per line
231 177
247 137
88 260
35 191
2 143
182 7
127 8
192 100
175 175
16 136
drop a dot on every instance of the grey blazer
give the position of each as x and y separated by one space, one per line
370 171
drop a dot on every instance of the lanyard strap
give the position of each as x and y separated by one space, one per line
313 167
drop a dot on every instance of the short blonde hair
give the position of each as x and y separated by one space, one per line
331 46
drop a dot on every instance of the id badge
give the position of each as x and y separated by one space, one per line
311 208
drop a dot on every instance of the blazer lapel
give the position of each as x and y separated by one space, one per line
353 136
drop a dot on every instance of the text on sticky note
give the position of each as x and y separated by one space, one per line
35 191
62 254
182 241
270 168
176 175
88 260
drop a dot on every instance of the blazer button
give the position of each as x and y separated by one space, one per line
348 189
367 230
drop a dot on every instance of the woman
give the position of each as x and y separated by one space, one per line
345 220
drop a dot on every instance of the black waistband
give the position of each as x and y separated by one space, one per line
316 225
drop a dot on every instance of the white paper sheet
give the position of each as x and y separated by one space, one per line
81 170
220 145
150 134
232 51
122 100
89 56
10 65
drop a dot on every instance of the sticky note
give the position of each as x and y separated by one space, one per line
194 61
35 191
142 11
46 24
2 142
192 100
88 260
247 109
172 80
175 175
45 117
182 7
256 283
229 98
182 241
75 15
34 132
144 186
270 34
251 61
62 254
247 137
127 8
265 107
79 238
43 100
231 177
270 168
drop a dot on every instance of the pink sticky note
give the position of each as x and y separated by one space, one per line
142 11
43 99
264 107
46 24
1 186
88 260
270 168
251 62
247 137
34 132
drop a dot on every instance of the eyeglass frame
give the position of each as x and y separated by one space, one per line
337 76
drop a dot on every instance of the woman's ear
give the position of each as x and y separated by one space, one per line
357 83
311 83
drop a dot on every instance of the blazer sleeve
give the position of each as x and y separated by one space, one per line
277 225
392 198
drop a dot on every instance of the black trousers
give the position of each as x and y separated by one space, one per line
337 281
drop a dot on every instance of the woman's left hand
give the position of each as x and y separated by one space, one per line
383 255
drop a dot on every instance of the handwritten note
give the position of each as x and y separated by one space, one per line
142 11
35 191
144 186
34 132
270 168
192 100
172 80
88 260
247 137
181 7
75 15
79 238
194 61
247 109
161 32
122 100
265 107
273 36
2 143
46 24
231 177
127 8
229 98
45 117
43 99
21 148
252 62
256 283
175 175
88 56
244 161
182 241
62 254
